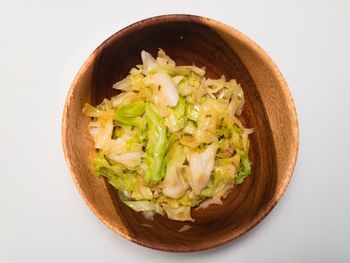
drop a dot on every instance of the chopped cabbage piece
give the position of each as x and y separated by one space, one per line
201 165
174 184
156 146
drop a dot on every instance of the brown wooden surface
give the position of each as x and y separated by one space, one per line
269 109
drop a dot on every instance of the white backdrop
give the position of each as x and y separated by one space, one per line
42 45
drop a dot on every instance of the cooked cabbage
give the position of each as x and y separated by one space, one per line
171 139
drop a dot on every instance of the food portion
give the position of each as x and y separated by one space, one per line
171 139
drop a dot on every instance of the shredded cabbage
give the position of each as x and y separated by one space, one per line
174 184
171 140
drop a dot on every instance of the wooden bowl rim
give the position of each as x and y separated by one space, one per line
245 40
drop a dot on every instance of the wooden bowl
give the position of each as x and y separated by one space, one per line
269 109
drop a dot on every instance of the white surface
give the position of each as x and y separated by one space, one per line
42 46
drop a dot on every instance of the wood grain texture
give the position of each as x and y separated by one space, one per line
269 109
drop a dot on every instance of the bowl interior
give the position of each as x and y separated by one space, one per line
223 51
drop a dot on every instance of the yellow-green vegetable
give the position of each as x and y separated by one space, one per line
170 140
